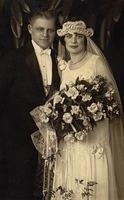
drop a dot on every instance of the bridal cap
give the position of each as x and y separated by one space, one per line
75 27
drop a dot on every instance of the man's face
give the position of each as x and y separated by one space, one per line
42 31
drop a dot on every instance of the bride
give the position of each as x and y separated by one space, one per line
99 157
92 168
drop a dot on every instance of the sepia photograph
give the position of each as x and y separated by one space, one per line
61 99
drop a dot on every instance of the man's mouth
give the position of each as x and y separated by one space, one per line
44 39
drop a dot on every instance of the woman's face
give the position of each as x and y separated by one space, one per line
74 42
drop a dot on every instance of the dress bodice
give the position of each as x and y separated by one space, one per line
87 70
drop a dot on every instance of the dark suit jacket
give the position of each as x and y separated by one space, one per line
21 90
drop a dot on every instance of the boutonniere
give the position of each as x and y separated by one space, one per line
62 64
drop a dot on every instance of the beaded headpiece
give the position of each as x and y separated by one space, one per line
75 27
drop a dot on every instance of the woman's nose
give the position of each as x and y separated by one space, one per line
74 39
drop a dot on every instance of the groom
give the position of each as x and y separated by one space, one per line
28 78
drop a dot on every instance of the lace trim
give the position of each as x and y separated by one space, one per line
98 151
85 189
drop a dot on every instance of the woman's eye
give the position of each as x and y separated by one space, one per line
68 35
80 36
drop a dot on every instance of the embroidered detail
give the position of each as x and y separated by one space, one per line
85 189
75 27
65 195
98 151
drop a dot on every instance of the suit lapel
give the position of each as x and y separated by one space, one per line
32 63
55 76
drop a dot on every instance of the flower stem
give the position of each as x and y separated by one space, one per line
73 128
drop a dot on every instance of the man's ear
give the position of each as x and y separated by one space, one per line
30 28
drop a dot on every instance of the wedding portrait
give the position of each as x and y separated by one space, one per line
61 99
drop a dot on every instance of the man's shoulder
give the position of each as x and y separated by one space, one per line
8 57
16 56
24 50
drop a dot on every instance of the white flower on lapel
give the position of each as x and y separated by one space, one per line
62 64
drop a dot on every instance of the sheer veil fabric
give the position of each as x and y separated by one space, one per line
116 126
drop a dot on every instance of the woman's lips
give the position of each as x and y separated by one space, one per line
73 47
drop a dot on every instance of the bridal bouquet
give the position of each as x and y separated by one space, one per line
74 111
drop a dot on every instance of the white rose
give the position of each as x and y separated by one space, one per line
98 116
69 138
57 99
95 87
85 122
100 106
114 105
75 109
80 135
72 92
110 92
109 108
86 97
93 108
80 87
67 117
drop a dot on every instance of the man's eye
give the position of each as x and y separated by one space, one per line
51 30
39 29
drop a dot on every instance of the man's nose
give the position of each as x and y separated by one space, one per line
45 33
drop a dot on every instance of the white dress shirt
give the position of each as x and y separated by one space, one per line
45 63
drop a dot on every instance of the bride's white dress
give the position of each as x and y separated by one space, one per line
88 160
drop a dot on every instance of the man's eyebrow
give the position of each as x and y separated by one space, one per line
45 28
40 27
